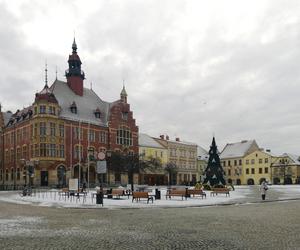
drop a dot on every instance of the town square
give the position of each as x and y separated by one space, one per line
158 124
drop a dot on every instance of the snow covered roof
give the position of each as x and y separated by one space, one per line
147 141
202 153
294 158
238 149
6 116
86 104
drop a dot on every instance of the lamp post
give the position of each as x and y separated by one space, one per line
29 167
108 156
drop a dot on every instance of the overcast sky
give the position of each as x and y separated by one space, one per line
192 69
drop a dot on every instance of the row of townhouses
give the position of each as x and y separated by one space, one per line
68 129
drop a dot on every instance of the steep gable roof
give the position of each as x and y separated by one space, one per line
239 149
86 104
147 141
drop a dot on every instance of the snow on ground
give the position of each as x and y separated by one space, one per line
286 191
51 198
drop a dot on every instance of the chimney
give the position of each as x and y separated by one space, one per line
177 139
167 137
162 137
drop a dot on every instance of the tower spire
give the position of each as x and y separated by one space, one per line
74 74
55 72
123 94
46 76
74 45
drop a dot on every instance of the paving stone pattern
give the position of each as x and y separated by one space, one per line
270 225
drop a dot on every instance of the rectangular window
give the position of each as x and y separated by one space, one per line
229 163
266 170
240 162
24 152
224 163
253 161
7 156
229 171
78 133
247 170
260 161
18 154
78 152
12 155
235 162
61 151
43 150
61 130
43 129
52 129
266 160
92 135
42 109
252 170
260 170
247 162
161 154
125 116
24 133
52 150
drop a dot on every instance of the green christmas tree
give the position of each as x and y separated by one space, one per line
214 173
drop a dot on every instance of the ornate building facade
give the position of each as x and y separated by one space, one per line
63 131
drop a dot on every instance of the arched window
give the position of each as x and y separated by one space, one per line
124 136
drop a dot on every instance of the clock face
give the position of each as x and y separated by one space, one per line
101 156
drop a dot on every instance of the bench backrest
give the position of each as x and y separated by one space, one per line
182 192
140 195
220 189
117 192
195 191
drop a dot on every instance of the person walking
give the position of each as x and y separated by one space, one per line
263 189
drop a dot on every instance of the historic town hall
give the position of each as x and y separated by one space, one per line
65 124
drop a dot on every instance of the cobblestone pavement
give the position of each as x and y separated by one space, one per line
269 225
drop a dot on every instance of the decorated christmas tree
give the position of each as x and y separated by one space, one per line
214 173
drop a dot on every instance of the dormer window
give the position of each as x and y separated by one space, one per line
73 108
97 113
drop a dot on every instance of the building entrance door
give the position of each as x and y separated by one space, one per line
44 178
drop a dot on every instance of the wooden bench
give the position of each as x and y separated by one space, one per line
216 191
196 192
176 192
141 195
118 193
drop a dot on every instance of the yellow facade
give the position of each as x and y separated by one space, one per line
257 167
157 153
249 169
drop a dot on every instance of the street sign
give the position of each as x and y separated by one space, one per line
101 156
101 167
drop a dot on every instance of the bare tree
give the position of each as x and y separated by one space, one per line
171 169
132 163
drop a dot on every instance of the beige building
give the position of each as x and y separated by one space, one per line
285 169
202 160
184 156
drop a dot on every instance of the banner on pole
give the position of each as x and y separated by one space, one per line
101 167
73 184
